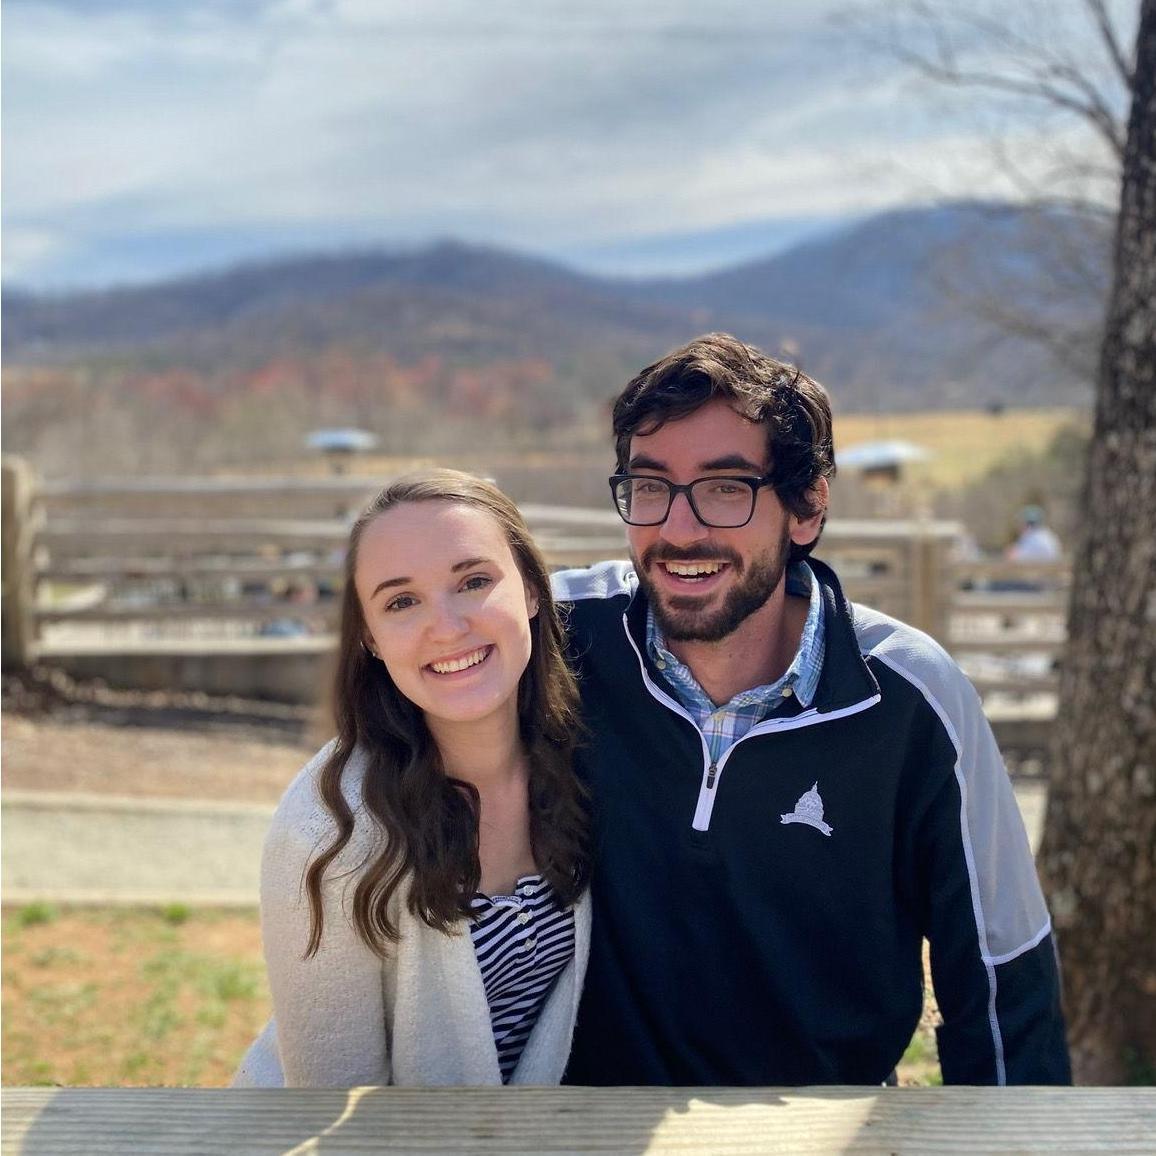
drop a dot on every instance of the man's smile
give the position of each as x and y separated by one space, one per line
692 569
689 570
698 578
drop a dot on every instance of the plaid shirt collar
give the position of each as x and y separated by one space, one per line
723 725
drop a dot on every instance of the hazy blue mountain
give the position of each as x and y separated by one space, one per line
918 306
889 313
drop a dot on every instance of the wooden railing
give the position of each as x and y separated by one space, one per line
655 1121
139 565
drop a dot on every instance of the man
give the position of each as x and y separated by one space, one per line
1037 542
789 792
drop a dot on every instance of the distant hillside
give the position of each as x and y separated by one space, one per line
454 345
912 309
885 313
449 299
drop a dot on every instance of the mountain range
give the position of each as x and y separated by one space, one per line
911 309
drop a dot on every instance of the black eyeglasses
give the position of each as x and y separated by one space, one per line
722 502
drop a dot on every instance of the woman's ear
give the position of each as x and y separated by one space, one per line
531 600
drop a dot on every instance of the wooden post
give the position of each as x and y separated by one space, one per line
940 586
19 621
928 581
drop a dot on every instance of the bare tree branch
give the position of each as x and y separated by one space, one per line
1051 82
1111 42
1010 54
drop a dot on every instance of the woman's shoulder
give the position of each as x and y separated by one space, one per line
302 817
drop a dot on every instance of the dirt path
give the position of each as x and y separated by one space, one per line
229 764
119 801
67 737
206 777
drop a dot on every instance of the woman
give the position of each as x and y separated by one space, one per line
423 895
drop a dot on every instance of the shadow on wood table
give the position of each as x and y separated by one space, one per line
180 1122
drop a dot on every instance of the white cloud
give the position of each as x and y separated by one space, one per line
547 125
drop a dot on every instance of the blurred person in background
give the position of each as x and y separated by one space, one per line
424 909
1036 542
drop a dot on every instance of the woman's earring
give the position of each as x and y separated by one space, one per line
369 650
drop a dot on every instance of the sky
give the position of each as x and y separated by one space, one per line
148 138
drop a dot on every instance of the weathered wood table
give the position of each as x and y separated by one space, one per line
923 1121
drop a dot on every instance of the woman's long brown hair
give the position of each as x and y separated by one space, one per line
430 821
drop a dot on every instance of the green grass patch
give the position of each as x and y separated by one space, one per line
176 913
35 914
920 1064
113 996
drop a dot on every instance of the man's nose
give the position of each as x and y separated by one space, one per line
682 525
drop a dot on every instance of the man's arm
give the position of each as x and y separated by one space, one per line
993 957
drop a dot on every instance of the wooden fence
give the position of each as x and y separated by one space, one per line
231 566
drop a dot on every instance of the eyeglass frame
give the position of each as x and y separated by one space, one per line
755 483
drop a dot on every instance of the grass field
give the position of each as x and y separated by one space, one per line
964 444
172 996
129 997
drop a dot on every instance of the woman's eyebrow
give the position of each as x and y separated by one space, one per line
456 568
469 564
387 583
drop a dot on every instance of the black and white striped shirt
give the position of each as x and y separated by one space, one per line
523 942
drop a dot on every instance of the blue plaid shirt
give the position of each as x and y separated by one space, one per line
723 725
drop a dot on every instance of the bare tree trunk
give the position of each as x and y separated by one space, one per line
1098 857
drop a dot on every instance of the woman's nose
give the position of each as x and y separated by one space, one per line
447 620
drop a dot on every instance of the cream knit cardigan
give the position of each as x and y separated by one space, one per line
345 1017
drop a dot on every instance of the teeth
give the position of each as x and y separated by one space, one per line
693 569
456 664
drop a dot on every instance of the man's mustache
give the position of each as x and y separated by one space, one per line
665 552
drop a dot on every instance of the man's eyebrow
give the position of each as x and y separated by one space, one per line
732 462
456 568
726 462
642 462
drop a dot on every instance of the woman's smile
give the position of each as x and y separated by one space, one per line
462 663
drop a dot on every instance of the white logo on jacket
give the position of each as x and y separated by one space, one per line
809 810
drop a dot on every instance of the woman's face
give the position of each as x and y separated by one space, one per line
446 608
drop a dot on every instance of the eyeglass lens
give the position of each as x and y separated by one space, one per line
716 501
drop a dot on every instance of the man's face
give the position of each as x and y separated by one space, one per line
703 581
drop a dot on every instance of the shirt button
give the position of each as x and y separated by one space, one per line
787 692
529 945
660 664
523 917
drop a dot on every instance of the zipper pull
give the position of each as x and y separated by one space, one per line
712 771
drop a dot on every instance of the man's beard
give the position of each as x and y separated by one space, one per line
682 618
